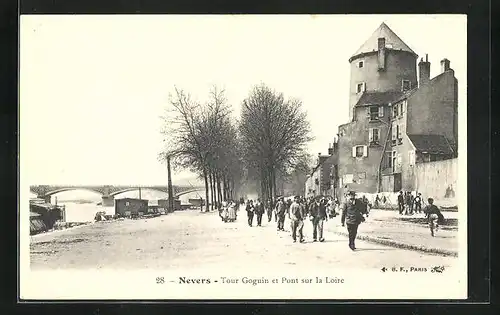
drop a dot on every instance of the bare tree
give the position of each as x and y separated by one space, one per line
274 134
202 138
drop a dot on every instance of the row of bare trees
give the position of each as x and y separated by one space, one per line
274 132
202 138
268 144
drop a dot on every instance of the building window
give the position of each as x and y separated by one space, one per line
347 179
361 64
394 160
374 135
405 85
360 151
127 203
388 156
400 133
373 112
402 108
411 157
395 111
360 87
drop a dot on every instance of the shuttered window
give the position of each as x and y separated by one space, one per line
374 135
360 151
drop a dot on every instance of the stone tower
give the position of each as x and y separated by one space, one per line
384 63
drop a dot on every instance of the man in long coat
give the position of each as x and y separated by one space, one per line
280 212
352 216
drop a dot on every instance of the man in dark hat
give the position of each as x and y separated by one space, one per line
296 216
352 216
250 211
259 211
401 202
317 211
281 211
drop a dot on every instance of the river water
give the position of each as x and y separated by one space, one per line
81 206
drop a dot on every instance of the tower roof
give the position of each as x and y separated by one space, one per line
392 41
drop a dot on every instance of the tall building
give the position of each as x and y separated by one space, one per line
393 122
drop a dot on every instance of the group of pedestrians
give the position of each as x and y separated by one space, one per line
408 203
320 209
316 209
228 211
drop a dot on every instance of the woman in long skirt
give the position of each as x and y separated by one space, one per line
232 212
224 213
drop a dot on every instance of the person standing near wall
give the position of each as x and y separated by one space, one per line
418 203
401 202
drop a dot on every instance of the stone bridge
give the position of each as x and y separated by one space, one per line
108 192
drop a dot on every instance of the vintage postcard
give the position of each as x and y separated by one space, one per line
243 157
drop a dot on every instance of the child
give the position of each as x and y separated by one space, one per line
434 216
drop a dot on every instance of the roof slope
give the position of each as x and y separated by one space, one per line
378 98
392 41
436 144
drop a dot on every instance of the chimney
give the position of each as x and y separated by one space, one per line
381 53
424 71
445 65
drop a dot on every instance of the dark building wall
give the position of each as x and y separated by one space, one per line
400 65
163 204
132 205
433 109
353 134
327 178
197 202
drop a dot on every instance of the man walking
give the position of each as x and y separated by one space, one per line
259 211
269 210
250 211
280 211
317 211
296 216
352 216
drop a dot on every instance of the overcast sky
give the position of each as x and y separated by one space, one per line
92 88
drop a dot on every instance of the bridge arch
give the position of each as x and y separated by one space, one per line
185 192
121 191
63 189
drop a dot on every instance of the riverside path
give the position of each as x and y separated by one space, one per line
198 240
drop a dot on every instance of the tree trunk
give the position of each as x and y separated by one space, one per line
224 184
212 188
274 184
205 176
219 192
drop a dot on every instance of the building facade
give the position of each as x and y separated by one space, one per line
395 120
323 179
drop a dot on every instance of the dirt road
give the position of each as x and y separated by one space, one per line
190 239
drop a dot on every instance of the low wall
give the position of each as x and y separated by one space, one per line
438 180
432 179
